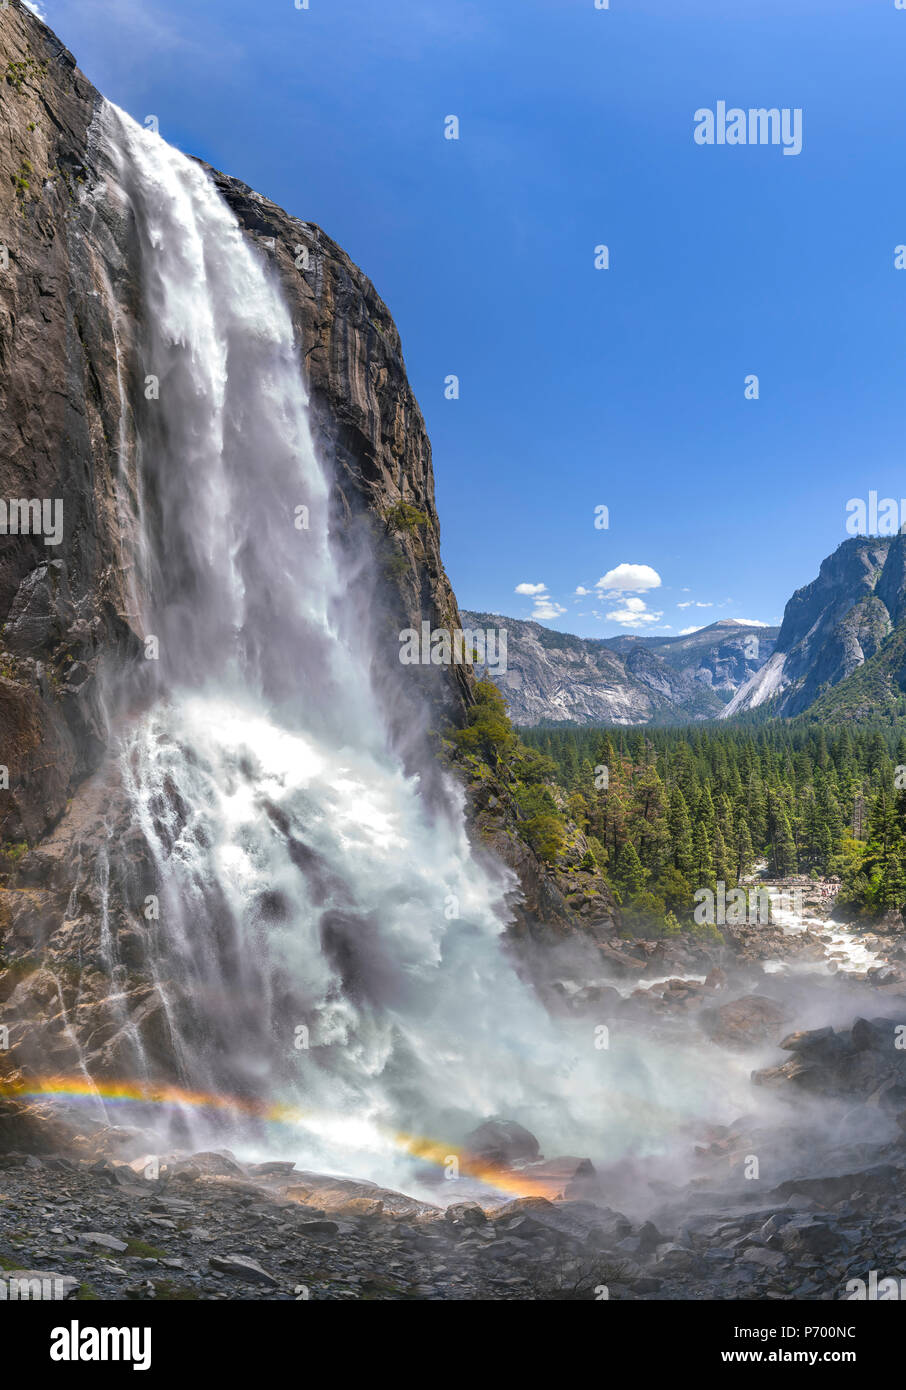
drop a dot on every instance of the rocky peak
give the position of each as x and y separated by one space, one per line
555 676
832 626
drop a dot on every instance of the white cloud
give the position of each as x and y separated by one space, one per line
692 603
531 589
583 592
629 579
684 631
35 9
751 622
545 609
634 611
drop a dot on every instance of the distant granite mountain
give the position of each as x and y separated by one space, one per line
840 651
554 677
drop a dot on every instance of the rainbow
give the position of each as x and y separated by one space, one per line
79 1088
73 1089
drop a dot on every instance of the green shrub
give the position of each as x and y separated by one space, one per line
546 834
488 731
402 516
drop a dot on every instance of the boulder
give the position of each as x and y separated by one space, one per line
104 1242
219 1163
807 1039
501 1142
744 1023
465 1214
806 1236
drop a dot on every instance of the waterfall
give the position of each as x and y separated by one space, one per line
305 947
323 939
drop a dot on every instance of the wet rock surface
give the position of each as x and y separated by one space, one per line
97 1228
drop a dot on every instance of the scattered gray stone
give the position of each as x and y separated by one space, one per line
242 1267
104 1241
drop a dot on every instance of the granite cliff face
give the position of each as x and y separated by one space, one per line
78 987
843 621
64 608
554 677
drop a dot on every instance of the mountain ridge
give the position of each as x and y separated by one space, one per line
555 677
839 625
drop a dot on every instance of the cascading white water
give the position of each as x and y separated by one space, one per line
304 883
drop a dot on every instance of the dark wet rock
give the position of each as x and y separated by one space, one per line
537 1216
466 1214
745 1023
604 1000
501 1142
184 1240
874 1035
803 1041
17 1160
674 1259
862 1063
828 1191
221 1164
758 1255
805 1235
649 1238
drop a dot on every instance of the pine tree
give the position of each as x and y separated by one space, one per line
745 858
702 861
783 846
680 827
630 876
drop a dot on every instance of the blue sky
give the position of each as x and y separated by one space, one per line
582 388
